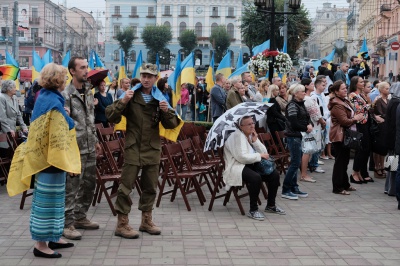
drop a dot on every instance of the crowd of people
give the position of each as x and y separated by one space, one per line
323 104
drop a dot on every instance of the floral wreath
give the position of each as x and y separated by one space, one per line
260 62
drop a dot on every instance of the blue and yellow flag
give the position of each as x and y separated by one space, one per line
122 71
210 79
11 61
239 71
100 65
64 63
260 48
364 49
239 63
158 65
188 73
37 65
284 77
328 58
47 58
51 142
138 65
170 134
91 60
225 65
174 81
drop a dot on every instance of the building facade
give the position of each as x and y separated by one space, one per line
200 16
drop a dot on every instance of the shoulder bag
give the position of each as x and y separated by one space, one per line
352 139
265 166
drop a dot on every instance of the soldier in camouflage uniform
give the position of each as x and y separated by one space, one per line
80 188
144 108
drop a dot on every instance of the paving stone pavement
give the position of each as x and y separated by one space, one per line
323 229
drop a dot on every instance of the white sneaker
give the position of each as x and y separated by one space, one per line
324 157
321 163
319 170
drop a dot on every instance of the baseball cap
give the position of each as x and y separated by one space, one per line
148 68
324 61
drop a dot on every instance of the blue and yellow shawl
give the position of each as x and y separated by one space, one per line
51 142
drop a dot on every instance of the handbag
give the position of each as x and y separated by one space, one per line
391 163
309 143
352 139
265 166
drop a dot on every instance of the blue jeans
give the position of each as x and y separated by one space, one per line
181 108
290 181
314 159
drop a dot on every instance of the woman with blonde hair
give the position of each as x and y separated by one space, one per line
261 95
283 98
234 97
50 151
275 119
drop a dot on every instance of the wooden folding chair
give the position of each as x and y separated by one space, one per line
268 141
106 134
184 180
280 135
5 160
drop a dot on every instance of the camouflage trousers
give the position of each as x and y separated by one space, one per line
80 189
148 184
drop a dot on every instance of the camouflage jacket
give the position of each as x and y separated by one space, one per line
142 142
82 112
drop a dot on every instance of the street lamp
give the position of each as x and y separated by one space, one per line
268 6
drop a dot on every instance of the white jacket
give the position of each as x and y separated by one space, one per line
238 153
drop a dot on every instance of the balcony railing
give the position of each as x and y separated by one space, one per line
350 17
133 16
34 20
381 39
116 15
203 38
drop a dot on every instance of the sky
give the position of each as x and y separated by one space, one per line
96 5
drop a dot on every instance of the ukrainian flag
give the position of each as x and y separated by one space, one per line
51 142
47 58
284 77
210 75
174 81
138 65
11 61
364 49
188 73
158 65
240 70
65 62
122 71
225 65
37 65
328 58
100 65
260 48
91 61
239 63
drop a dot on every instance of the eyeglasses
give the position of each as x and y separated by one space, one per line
250 124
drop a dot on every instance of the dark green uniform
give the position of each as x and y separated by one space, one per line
142 147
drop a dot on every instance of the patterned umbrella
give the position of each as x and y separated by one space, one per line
96 76
227 123
9 72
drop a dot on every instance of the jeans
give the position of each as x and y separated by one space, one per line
181 110
290 181
314 159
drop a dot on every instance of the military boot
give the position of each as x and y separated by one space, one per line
148 225
124 229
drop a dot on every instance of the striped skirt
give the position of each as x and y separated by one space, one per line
48 202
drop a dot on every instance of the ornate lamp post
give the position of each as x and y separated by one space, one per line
268 6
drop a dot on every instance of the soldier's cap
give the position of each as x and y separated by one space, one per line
324 61
149 69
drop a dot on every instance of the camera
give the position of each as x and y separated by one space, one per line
365 56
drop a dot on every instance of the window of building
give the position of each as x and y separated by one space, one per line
35 12
150 11
134 29
117 10
231 30
23 61
199 29
167 10
213 26
231 11
327 15
133 11
116 55
34 33
5 31
183 11
182 27
117 29
5 11
166 23
132 56
214 12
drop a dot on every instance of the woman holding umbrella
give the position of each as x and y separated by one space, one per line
242 151
104 99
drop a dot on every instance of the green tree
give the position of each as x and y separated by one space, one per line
156 38
256 27
220 41
125 39
188 41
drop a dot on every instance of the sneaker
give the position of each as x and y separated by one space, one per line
289 195
84 223
275 209
319 170
300 194
71 233
256 215
324 157
321 163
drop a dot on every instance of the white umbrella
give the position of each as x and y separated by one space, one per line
226 123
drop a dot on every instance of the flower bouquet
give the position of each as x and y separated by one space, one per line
259 64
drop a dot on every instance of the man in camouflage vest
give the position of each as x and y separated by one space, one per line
80 188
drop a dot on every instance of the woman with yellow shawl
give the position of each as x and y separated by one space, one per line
50 151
